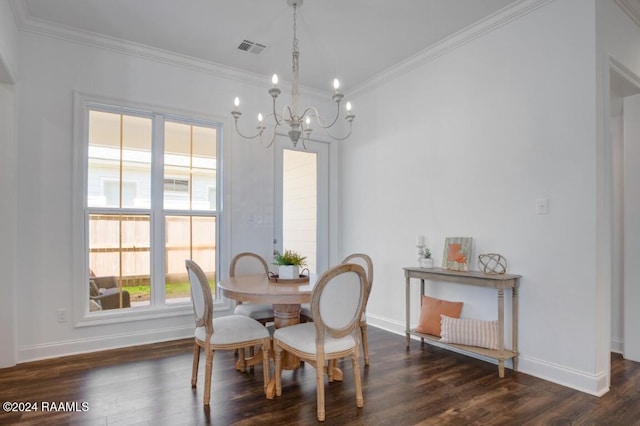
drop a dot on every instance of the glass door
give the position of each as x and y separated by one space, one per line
301 205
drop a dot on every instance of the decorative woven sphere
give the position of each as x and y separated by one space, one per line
492 263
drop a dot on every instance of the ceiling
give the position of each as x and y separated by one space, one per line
353 40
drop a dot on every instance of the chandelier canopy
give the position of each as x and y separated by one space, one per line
299 124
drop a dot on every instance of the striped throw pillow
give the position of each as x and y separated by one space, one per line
470 332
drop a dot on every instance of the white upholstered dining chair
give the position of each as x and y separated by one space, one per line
365 261
229 332
250 263
337 302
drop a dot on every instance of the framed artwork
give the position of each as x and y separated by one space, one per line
457 253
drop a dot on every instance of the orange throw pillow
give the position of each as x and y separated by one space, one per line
430 314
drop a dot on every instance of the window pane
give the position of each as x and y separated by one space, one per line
189 167
136 161
119 249
188 237
299 204
119 166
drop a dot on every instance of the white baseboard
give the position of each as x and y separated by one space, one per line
594 384
72 347
617 345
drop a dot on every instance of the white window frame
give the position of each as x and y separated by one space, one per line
83 103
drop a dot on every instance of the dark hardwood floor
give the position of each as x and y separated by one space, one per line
150 385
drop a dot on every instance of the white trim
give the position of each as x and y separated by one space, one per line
28 23
617 345
80 315
7 74
514 11
624 72
492 22
102 343
632 11
594 384
324 197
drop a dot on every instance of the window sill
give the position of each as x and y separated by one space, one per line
115 316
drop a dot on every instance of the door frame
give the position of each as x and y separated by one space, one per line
323 231
618 214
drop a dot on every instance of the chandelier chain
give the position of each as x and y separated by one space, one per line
295 26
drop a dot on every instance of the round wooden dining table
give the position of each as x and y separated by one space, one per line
286 296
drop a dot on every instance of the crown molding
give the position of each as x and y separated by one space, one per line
29 24
490 23
631 8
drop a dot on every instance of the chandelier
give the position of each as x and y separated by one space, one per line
299 124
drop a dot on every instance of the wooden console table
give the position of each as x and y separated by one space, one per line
499 281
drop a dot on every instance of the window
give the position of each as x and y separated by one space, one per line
151 188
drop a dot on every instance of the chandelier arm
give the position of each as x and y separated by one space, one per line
342 138
320 119
273 138
260 131
275 114
287 108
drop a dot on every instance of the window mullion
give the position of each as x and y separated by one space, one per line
157 213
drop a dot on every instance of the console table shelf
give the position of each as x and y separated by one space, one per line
498 281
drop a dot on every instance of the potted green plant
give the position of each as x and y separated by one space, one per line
289 263
425 259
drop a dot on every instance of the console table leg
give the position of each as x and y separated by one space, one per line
501 332
407 303
514 325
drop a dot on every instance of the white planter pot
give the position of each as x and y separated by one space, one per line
288 272
426 263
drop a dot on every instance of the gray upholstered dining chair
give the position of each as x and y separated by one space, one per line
337 302
229 332
366 262
251 263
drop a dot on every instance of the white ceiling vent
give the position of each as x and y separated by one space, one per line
251 47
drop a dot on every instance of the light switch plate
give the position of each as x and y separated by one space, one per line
542 206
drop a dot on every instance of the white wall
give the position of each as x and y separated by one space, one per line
8 213
473 138
461 146
52 69
8 183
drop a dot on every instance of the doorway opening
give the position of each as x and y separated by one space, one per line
625 185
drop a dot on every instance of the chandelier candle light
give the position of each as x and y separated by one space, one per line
299 124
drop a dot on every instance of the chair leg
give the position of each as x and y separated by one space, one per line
207 376
365 342
242 359
320 387
331 365
277 356
355 360
251 354
196 362
265 362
